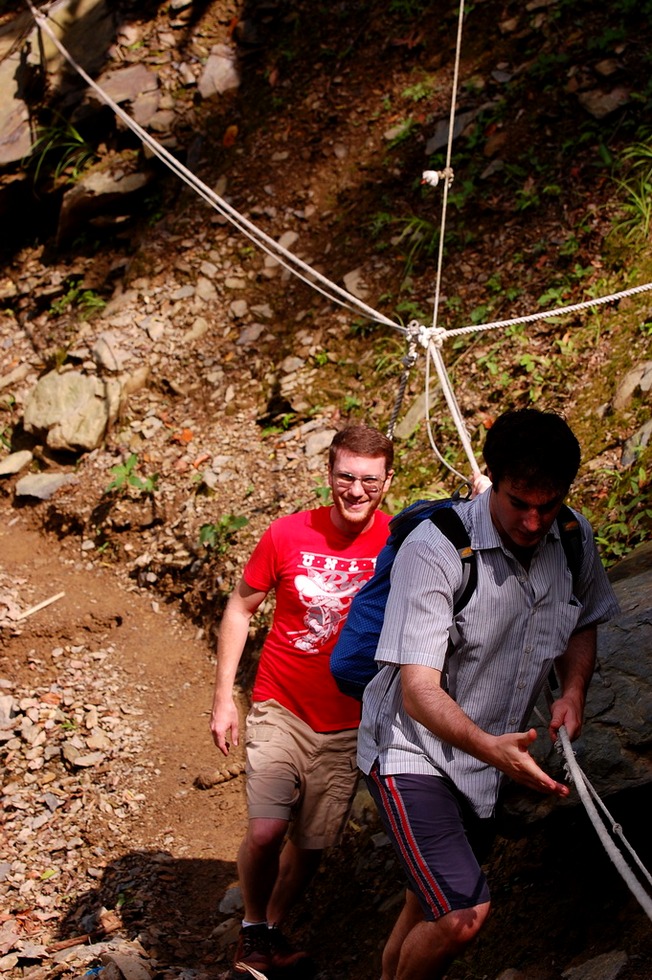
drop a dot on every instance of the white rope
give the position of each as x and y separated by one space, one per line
431 437
617 830
559 311
448 170
453 406
295 265
586 791
431 339
625 871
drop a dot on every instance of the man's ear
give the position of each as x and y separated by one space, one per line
388 479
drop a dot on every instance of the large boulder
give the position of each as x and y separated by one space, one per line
72 410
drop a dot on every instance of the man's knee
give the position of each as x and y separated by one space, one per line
462 925
263 833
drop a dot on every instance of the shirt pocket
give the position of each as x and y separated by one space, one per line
555 626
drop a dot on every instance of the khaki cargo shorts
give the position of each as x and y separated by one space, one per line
299 775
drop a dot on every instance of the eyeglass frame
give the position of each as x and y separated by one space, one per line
344 481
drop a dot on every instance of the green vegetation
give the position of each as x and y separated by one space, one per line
219 537
636 209
624 518
85 301
61 150
408 9
6 432
124 477
322 493
282 424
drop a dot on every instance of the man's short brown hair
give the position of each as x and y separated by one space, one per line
362 440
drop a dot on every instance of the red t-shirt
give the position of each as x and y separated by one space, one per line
315 570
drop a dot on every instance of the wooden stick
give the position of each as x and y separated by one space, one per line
40 605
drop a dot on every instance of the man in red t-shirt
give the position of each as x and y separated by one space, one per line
301 731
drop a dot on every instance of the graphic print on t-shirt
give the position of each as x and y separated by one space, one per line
325 586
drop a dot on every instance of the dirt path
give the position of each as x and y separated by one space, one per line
125 829
172 852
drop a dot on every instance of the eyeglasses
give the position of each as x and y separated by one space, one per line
370 484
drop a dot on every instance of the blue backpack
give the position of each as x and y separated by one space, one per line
352 661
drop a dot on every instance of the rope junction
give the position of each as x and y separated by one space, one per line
432 339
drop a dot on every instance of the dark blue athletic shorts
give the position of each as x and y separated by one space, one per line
438 839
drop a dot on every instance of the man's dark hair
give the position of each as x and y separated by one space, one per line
532 448
363 441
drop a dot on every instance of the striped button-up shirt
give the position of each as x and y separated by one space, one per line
505 641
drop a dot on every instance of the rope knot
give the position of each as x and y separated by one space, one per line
432 335
432 177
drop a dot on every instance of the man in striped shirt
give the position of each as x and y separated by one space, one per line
444 720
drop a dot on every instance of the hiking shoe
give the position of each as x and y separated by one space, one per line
253 949
282 952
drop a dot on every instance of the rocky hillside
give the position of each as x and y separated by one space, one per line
166 387
199 355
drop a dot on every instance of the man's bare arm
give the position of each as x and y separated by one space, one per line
574 669
427 703
234 629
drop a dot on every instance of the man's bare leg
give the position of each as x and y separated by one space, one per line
410 915
297 865
430 947
258 864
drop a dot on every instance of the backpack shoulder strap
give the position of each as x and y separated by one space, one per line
450 524
571 539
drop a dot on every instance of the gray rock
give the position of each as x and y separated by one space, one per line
291 363
87 26
42 485
605 967
15 462
354 283
413 417
108 352
639 440
198 329
250 334
98 194
127 84
238 308
638 379
145 108
18 374
206 290
15 132
286 241
220 72
232 900
72 409
129 965
440 137
600 104
6 711
318 442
